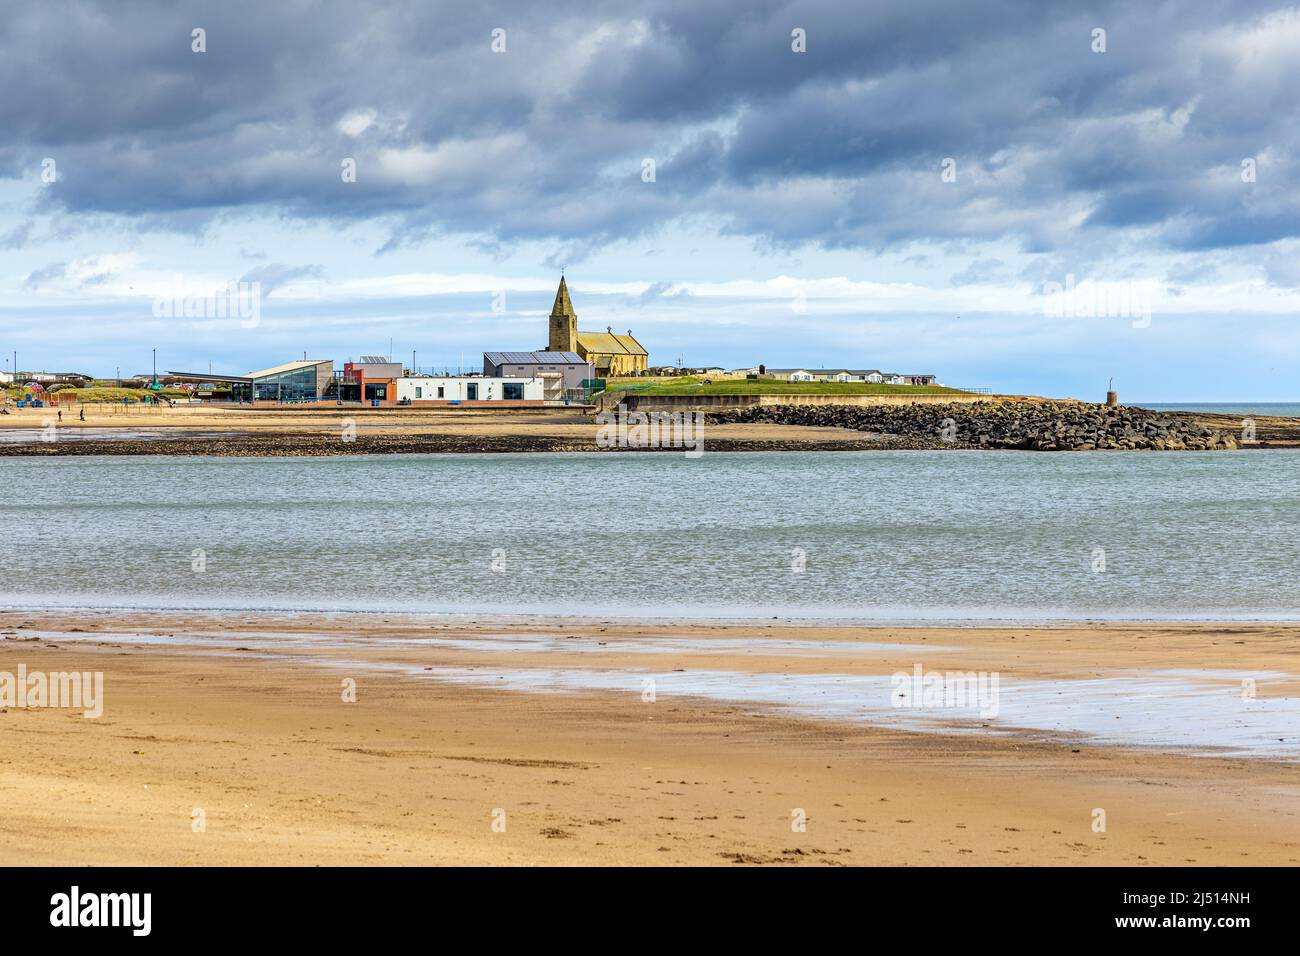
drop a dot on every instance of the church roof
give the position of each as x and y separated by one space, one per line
593 343
608 343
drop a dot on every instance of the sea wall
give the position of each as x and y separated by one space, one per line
1036 426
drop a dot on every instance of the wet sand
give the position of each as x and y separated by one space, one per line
268 430
300 431
1270 431
243 717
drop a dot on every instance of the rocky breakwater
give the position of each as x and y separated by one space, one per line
1037 426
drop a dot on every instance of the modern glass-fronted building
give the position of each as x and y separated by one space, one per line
306 381
293 382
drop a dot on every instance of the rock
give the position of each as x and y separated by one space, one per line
1042 426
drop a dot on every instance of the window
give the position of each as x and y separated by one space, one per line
471 392
297 385
512 391
419 392
441 390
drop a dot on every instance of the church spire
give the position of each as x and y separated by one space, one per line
564 322
563 306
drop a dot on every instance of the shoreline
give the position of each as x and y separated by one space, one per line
244 720
310 445
516 618
329 432
1064 652
315 446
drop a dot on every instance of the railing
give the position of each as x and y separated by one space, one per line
977 389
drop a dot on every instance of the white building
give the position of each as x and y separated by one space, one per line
860 375
422 390
847 375
869 375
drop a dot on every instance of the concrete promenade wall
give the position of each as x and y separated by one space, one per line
671 403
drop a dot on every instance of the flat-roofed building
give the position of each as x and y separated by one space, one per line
373 379
305 381
377 366
468 389
564 375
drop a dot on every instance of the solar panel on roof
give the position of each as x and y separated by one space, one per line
533 358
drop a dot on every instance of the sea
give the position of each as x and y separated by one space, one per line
961 537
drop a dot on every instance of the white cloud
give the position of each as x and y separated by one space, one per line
354 124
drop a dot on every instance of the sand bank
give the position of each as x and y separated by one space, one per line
243 718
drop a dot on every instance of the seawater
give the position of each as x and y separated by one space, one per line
870 537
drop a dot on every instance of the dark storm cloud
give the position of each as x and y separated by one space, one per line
1055 146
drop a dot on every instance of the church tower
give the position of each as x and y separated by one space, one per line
564 322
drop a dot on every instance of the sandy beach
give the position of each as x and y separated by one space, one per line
240 721
262 431
269 430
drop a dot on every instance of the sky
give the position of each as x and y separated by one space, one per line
1026 196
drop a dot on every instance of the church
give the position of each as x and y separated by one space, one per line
610 354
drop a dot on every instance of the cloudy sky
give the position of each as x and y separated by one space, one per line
912 186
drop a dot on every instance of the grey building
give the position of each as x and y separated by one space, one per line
378 367
563 374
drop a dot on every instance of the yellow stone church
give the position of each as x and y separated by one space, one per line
612 355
